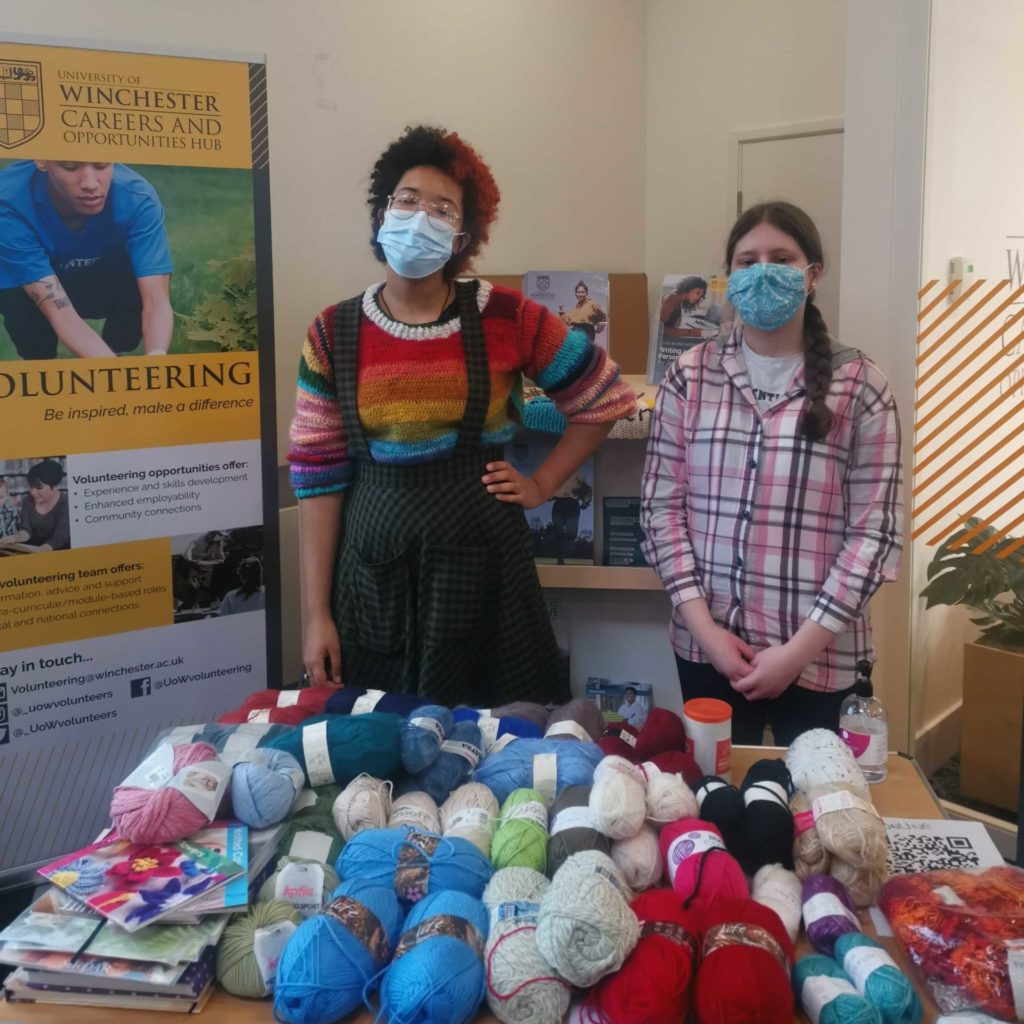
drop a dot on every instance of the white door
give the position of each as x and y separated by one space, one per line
807 170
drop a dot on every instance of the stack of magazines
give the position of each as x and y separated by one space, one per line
132 926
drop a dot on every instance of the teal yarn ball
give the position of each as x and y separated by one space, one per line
437 975
264 786
334 749
334 957
423 732
826 994
877 977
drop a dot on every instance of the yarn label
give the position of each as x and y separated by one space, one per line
470 818
307 798
740 933
267 946
441 924
406 814
671 930
843 800
530 810
465 750
502 742
545 775
301 885
425 722
204 785
367 702
819 990
690 844
803 821
157 769
628 738
317 755
412 870
260 716
827 904
310 845
572 817
488 731
949 896
861 962
1015 963
364 925
771 791
568 727
288 698
521 911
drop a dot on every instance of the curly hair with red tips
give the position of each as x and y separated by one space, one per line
425 146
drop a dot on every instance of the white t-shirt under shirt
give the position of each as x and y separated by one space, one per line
770 376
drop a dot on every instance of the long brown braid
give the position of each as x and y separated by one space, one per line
817 418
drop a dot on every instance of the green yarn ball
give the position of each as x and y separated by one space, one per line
520 842
236 963
331 880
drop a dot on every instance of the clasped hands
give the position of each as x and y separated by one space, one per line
757 675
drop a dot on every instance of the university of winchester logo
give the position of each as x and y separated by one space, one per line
21 102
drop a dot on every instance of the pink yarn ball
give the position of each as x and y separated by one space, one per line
162 815
698 866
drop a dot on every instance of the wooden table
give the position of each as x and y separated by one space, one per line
904 794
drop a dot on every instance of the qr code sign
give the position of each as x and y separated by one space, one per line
911 852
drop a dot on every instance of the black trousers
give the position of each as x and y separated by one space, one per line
108 291
794 711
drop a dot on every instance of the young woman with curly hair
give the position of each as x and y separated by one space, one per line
771 495
417 568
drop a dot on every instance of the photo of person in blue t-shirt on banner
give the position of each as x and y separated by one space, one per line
83 241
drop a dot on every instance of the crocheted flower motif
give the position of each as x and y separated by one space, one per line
146 863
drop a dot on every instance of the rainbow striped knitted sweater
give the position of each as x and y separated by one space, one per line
412 385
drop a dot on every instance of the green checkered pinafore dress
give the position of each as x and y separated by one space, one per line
435 588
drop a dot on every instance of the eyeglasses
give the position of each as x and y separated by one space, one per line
404 204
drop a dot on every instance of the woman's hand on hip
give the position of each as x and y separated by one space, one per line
729 654
772 672
321 651
509 485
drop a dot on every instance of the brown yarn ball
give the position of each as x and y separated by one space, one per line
809 856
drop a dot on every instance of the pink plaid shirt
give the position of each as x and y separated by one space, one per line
769 528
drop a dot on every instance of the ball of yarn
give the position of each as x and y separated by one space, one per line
536 713
848 825
237 968
311 837
309 699
698 865
273 715
722 804
768 821
619 738
547 765
779 888
573 827
522 987
678 762
497 732
459 755
336 956
471 812
809 856
415 863
655 983
416 809
163 815
668 798
586 928
268 891
617 798
663 730
351 701
521 838
437 975
264 787
639 859
746 959
364 803
827 996
862 884
337 748
232 742
579 719
819 756
421 736
828 912
876 976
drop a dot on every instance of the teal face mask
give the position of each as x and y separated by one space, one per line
767 295
415 246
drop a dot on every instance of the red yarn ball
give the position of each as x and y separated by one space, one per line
697 864
285 707
678 762
662 731
274 716
619 738
747 959
655 984
164 815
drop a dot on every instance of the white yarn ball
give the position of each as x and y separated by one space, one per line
639 859
669 799
617 805
522 987
471 812
779 889
586 929
364 803
417 809
818 757
611 763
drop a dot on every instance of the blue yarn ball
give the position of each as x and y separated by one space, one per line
512 768
419 737
440 979
264 787
326 967
395 857
515 728
887 988
848 1007
355 744
244 738
450 768
382 701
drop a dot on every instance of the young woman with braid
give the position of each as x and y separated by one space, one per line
771 494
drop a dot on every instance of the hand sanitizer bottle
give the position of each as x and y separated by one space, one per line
864 726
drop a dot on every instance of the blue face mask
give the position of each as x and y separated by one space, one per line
415 246
767 295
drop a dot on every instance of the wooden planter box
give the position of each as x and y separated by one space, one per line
991 725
